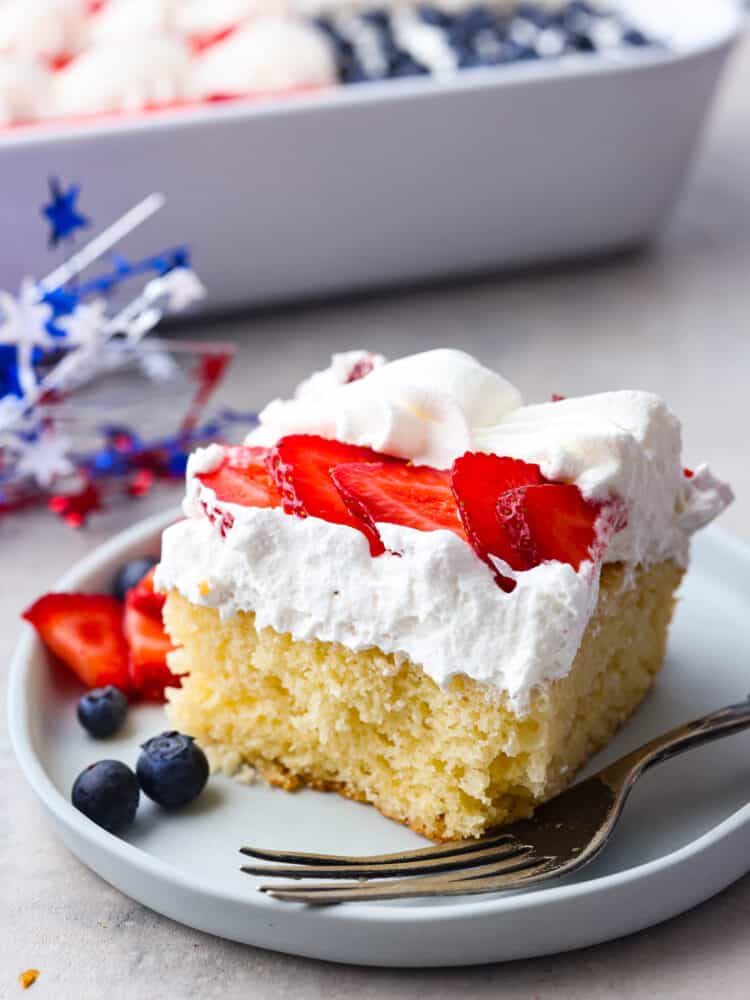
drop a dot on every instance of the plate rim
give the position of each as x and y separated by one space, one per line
65 815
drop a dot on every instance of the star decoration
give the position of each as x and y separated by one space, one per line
62 301
25 327
46 458
74 508
158 365
181 287
65 331
85 324
62 213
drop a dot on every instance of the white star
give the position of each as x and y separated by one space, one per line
45 459
181 287
25 326
85 325
158 365
13 415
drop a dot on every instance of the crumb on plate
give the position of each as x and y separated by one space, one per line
28 978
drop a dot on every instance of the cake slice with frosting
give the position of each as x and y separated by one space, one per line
411 588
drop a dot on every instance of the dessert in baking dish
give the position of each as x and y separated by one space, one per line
62 58
411 588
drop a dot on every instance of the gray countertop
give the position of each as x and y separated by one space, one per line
674 319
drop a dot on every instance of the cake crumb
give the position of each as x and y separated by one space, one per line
28 978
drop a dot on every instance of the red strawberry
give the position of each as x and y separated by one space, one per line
149 679
478 482
148 641
547 522
243 478
416 496
86 632
301 465
144 598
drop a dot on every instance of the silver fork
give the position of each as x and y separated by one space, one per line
563 835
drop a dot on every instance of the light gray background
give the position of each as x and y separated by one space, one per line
675 320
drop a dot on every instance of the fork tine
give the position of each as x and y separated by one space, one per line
427 866
456 847
414 888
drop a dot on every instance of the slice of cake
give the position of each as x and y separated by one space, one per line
411 588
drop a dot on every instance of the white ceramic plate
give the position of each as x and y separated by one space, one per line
684 835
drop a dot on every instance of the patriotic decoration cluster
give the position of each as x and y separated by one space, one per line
64 340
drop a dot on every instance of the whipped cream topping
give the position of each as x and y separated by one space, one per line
123 75
421 408
199 18
265 54
120 20
40 27
429 597
25 87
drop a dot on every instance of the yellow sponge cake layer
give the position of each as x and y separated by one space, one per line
448 762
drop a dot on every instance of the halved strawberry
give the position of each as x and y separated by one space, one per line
86 632
301 465
150 678
416 496
147 640
243 478
145 598
478 481
552 521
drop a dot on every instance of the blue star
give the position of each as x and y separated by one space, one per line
9 381
63 302
61 213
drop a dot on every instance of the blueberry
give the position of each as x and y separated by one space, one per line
130 574
377 18
172 769
102 711
405 65
582 43
434 16
511 52
107 792
632 36
477 18
534 13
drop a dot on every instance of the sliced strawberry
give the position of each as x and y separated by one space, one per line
150 680
148 643
478 482
243 478
301 466
86 632
549 522
415 496
144 598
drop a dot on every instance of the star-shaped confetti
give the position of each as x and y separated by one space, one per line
74 508
24 326
62 212
45 459
181 287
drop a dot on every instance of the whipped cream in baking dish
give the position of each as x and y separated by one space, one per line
204 51
429 597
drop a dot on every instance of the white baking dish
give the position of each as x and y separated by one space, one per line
397 181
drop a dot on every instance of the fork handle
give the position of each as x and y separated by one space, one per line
716 725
